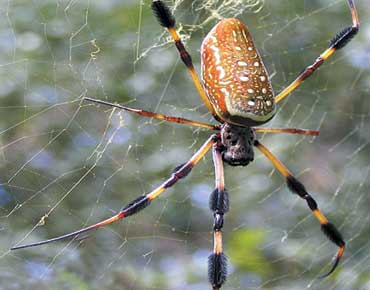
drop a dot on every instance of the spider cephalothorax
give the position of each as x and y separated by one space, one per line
237 144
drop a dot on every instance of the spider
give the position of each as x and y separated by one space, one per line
236 90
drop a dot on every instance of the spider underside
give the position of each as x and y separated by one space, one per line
237 144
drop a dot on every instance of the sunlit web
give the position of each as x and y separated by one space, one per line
66 163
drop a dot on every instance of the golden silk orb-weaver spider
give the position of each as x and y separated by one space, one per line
235 88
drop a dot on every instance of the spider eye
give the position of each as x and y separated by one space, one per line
234 76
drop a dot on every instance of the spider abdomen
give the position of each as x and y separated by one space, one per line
234 76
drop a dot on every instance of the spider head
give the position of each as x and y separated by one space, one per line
237 144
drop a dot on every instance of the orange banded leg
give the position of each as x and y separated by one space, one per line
219 205
166 19
298 188
142 201
287 130
339 41
155 115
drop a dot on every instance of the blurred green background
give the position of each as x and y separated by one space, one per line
66 163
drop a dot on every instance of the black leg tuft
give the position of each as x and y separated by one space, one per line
178 167
163 14
343 37
296 187
333 234
312 204
136 205
219 201
217 269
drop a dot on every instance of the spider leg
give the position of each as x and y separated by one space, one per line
298 188
155 115
287 130
142 201
339 41
219 205
166 19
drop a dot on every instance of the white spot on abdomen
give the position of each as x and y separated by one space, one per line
221 70
226 92
242 63
216 50
224 82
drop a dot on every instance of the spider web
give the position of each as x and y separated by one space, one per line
66 163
